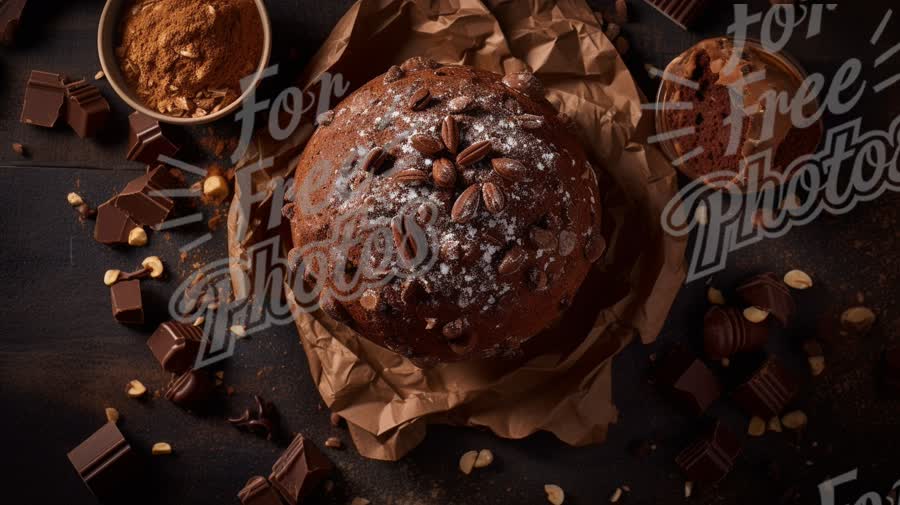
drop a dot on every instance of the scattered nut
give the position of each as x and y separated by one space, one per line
155 265
555 494
19 149
215 186
199 321
111 276
816 365
858 319
715 296
238 330
335 419
360 501
137 237
467 462
484 459
775 425
755 314
795 420
688 489
161 449
220 374
99 75
798 279
135 389
757 427
701 214
74 199
726 362
112 415
616 496
333 443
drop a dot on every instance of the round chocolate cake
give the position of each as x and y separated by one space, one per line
445 212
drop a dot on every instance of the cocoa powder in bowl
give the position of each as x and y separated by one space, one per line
186 58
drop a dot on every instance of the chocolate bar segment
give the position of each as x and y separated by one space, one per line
127 306
10 15
146 141
258 491
687 381
710 458
113 225
683 12
769 293
768 391
175 345
141 199
105 462
192 390
726 332
299 470
86 109
45 95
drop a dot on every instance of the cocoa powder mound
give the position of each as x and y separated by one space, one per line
185 58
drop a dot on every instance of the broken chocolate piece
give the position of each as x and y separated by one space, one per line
146 141
192 390
299 470
113 225
710 459
127 306
45 95
258 491
726 331
768 390
105 462
142 199
175 345
86 109
263 422
683 12
688 381
769 293
10 15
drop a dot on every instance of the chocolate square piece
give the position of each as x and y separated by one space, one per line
769 293
710 459
688 381
10 15
175 345
683 12
113 225
258 491
299 470
141 199
146 141
45 95
127 306
86 109
768 391
192 390
105 462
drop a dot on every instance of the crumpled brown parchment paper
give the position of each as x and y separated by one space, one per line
567 390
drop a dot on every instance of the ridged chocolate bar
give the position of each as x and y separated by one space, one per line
710 458
768 391
175 345
105 462
682 12
299 470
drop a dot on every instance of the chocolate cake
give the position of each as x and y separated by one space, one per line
445 212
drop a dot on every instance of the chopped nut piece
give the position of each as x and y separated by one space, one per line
757 427
755 314
555 494
688 489
360 501
99 75
220 374
199 321
816 365
74 199
161 449
467 462
715 296
112 415
795 420
616 496
484 459
155 265
775 425
798 279
239 331
135 389
18 148
111 276
333 443
701 214
215 186
858 319
726 362
137 237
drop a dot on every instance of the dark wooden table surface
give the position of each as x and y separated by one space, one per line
62 359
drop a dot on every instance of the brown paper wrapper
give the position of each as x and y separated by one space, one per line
567 389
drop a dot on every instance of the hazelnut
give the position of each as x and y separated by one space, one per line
467 462
798 279
161 449
775 425
333 443
816 365
795 420
74 199
137 237
135 389
238 330
757 427
215 186
858 319
112 415
155 265
484 459
755 314
111 276
715 296
555 494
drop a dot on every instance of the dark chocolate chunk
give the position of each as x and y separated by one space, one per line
263 422
710 458
683 12
892 367
106 462
127 306
726 331
175 345
192 390
299 470
769 293
113 225
45 95
146 141
10 15
768 390
86 109
688 381
258 491
141 199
